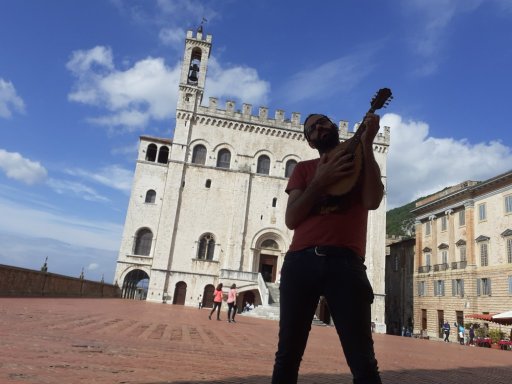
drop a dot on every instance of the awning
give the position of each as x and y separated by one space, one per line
504 318
481 316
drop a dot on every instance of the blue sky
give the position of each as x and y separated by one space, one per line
81 80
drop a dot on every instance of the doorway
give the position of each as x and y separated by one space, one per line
440 321
180 292
268 268
423 320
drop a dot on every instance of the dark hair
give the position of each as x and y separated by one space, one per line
310 116
233 286
219 287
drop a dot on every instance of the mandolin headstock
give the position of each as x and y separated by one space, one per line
381 99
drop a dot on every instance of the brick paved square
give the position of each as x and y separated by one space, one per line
47 340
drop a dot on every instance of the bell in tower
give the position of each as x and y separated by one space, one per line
192 74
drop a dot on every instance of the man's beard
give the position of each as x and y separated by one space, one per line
325 143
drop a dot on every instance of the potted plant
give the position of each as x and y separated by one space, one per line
496 335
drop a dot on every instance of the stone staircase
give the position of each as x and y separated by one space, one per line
270 311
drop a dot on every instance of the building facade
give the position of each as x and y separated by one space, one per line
208 205
463 258
399 285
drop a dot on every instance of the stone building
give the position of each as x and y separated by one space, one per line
463 260
399 284
208 205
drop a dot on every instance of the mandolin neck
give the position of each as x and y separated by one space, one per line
356 139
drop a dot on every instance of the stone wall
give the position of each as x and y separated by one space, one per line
23 282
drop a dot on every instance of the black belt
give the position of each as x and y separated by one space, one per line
327 250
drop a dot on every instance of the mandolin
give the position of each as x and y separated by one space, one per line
353 146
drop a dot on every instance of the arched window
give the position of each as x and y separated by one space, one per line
206 247
224 158
143 241
263 165
150 196
290 165
163 155
199 154
151 152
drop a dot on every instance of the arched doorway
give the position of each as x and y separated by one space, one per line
268 260
135 285
208 296
180 293
248 297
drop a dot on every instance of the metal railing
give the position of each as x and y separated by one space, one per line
459 264
440 267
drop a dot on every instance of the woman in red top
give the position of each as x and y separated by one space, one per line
217 301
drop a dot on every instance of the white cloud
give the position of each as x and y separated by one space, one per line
112 176
133 97
317 83
9 99
64 258
148 90
431 20
55 224
172 37
418 164
237 82
77 189
21 169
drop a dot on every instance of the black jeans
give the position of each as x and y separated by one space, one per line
231 307
216 306
340 276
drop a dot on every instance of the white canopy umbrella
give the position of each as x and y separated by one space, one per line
503 315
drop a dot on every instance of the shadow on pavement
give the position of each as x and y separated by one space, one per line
477 375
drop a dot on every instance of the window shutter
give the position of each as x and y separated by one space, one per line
478 287
454 291
462 288
489 285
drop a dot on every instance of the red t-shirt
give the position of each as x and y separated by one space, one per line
217 296
335 221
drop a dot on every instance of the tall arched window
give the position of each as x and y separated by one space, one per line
290 165
224 158
199 154
150 196
143 241
263 165
206 247
163 154
151 152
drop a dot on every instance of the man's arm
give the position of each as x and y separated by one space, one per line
328 171
372 189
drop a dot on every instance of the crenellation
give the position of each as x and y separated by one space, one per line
230 107
246 109
213 102
199 36
279 115
263 113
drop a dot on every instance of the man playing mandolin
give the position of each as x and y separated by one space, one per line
326 256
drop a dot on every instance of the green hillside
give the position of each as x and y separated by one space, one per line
400 221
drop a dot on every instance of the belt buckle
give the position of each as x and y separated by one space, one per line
319 253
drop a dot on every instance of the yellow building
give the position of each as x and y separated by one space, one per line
463 253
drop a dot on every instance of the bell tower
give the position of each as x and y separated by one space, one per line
193 70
